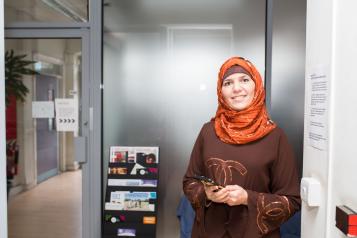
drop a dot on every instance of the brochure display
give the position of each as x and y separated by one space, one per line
130 208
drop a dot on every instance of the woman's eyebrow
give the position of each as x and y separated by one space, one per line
240 77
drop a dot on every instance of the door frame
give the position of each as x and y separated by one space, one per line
91 202
3 192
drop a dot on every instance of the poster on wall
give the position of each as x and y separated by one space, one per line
318 94
66 114
43 109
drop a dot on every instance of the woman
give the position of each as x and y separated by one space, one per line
249 156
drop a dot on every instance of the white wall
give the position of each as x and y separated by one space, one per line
3 199
331 42
344 111
318 51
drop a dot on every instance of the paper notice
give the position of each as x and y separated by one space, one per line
318 85
43 109
66 114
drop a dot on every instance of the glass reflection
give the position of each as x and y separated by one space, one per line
45 11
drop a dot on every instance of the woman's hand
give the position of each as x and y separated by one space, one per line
236 196
215 194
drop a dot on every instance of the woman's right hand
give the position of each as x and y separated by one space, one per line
215 194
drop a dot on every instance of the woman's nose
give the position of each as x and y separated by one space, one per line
237 87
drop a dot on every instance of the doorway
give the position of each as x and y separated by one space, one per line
50 130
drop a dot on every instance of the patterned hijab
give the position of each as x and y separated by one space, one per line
249 124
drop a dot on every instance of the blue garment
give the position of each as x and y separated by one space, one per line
186 216
291 228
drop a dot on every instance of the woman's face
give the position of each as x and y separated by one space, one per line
238 90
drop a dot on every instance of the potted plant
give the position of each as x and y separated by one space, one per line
16 67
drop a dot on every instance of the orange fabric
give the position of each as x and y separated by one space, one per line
250 124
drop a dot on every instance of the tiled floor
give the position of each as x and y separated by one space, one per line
50 210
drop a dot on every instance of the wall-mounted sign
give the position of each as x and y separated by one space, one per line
318 91
43 109
66 114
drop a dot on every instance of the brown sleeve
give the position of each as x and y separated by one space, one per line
193 188
270 210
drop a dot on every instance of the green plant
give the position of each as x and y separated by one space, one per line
15 69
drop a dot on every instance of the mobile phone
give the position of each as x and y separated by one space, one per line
207 181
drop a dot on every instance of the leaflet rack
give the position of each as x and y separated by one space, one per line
130 208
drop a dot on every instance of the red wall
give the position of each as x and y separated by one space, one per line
11 119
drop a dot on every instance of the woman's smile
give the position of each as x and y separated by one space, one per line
240 97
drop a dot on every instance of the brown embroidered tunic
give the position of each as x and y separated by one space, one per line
266 168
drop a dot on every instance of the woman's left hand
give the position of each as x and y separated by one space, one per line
237 195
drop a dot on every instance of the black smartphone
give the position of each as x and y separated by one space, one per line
207 181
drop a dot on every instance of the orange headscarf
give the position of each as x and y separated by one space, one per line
247 125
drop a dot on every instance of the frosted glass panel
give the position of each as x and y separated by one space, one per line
161 61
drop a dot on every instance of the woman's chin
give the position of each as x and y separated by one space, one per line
239 106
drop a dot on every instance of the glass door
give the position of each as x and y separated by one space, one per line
47 132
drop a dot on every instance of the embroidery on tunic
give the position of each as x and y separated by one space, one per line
276 212
223 169
195 192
